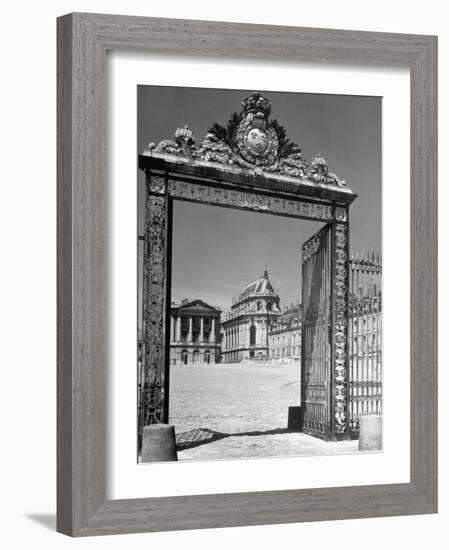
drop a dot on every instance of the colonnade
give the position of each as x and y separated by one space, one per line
236 336
239 335
175 330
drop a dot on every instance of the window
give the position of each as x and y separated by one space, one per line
252 335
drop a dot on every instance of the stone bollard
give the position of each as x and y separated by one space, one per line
294 422
159 443
370 438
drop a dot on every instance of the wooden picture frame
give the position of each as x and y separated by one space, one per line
83 40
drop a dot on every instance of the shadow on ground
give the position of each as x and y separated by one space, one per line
46 520
203 436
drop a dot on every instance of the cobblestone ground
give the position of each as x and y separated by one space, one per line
239 411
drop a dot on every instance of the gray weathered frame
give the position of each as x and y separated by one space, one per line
83 40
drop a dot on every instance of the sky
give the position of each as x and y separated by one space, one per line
216 250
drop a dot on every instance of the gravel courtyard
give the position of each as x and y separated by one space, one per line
238 411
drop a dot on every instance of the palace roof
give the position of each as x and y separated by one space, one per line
195 306
260 287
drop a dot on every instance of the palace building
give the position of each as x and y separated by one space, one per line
194 333
257 329
284 336
245 328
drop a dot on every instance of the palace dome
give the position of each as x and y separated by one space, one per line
260 287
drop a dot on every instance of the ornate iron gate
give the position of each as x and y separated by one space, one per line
316 345
324 380
250 164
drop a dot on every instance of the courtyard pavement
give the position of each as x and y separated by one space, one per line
240 411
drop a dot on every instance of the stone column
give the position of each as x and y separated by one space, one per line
172 328
212 331
190 336
178 328
201 330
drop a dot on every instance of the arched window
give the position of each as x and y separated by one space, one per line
207 357
184 357
252 335
196 356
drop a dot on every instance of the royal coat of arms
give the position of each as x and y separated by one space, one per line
256 140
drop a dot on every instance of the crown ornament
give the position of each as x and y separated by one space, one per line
257 104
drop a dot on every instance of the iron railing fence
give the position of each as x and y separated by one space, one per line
365 337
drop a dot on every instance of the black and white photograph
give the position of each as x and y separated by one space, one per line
259 274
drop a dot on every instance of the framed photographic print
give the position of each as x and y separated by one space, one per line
241 355
246 274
